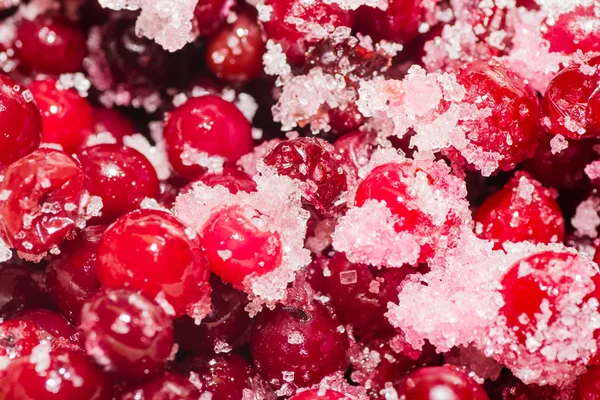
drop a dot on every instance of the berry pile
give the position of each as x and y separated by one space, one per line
300 199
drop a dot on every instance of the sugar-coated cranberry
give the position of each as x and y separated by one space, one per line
68 118
151 251
345 119
288 344
225 376
571 103
353 151
234 53
71 278
21 122
226 325
126 333
18 290
312 162
112 121
59 374
43 191
167 386
208 126
209 15
291 21
575 30
52 323
522 211
318 394
231 178
399 23
18 338
440 383
121 176
588 385
236 248
50 45
512 128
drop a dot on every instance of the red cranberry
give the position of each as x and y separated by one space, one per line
52 323
575 30
588 385
167 386
21 122
312 162
571 103
209 15
18 290
44 191
522 211
291 22
318 394
67 117
71 278
234 53
209 125
512 128
399 23
60 374
227 324
18 338
236 248
345 120
151 251
354 150
126 333
440 383
288 344
231 178
120 175
50 45
113 122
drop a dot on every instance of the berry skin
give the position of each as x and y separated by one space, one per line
588 385
113 122
231 178
353 151
121 176
126 333
18 338
522 211
44 192
575 30
316 394
209 125
50 45
151 251
440 383
21 122
209 15
288 344
167 386
19 291
53 323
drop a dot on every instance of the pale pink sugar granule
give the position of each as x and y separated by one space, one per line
156 154
586 219
249 161
592 170
5 252
558 143
321 238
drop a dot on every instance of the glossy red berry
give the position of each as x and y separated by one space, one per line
50 45
205 126
21 121
151 251
236 248
575 30
121 176
440 382
312 162
112 121
353 151
209 15
523 210
71 278
287 345
53 323
167 386
42 194
231 178
291 22
126 334
317 394
234 52
19 338
588 385
19 290
67 118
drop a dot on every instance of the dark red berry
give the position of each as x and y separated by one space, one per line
353 151
19 290
231 178
53 323
167 386
440 382
209 15
588 385
112 121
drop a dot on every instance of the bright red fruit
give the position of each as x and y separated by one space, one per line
112 121
317 394
167 386
209 15
440 382
575 30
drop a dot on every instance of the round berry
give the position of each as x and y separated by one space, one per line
19 290
167 386
42 193
231 178
575 30
353 151
151 251
440 383
209 15
19 338
53 323
204 127
318 394
112 121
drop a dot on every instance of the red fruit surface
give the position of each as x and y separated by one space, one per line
440 382
167 386
575 30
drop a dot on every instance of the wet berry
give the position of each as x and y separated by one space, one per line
167 386
440 382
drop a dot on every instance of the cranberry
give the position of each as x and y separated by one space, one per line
288 344
126 333
399 23
353 151
151 251
44 192
345 119
18 290
71 278
209 15
440 383
571 103
225 376
227 324
208 125
113 122
121 176
575 30
522 211
60 374
50 45
236 248
52 323
312 162
231 178
167 386
318 394
18 338
234 53
588 385
512 128
68 118
291 22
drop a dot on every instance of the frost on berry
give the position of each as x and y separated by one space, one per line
249 161
155 154
586 219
